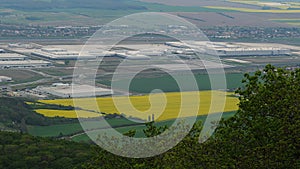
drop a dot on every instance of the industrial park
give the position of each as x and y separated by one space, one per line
170 55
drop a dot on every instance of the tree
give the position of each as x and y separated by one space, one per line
153 130
265 132
130 133
67 62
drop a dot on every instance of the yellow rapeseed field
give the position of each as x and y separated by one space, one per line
163 106
66 113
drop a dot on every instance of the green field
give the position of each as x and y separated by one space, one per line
121 125
249 10
72 128
73 15
168 84
270 3
139 129
20 76
290 21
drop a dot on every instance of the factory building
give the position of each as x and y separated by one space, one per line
132 57
56 54
228 49
24 64
24 45
12 57
73 90
5 79
252 51
59 54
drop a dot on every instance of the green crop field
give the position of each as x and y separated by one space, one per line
168 84
20 76
139 129
249 10
72 128
290 21
72 14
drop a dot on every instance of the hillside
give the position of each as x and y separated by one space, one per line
69 4
25 151
15 114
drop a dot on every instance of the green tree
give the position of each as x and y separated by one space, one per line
265 132
130 133
153 130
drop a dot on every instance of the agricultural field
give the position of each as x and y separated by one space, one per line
290 21
70 15
279 5
20 76
71 128
56 71
83 137
67 113
142 106
249 10
167 83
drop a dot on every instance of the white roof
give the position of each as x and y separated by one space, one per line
78 90
5 77
11 55
23 62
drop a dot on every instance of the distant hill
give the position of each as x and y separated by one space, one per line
67 4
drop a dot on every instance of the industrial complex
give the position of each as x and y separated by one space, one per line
170 56
224 49
14 60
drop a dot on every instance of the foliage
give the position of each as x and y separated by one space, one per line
130 133
15 113
25 151
152 130
265 131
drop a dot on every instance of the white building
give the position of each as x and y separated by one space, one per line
24 64
252 51
5 79
59 54
11 57
24 45
74 90
229 49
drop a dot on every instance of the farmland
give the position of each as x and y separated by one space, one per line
71 128
290 21
48 14
253 10
83 137
279 5
142 105
168 84
21 76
